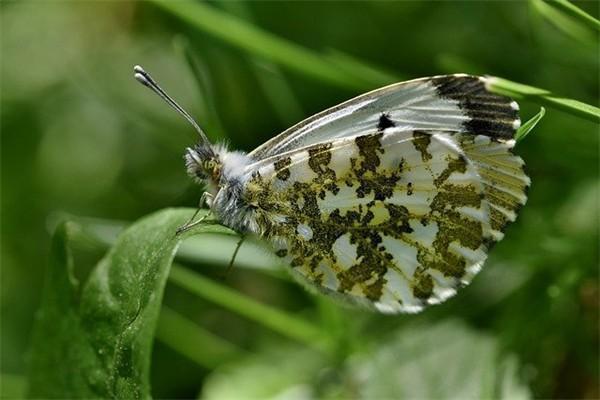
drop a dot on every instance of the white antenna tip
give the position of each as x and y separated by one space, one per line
141 79
145 79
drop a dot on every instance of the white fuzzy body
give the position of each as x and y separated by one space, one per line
227 202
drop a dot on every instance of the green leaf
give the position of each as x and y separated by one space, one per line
276 372
217 250
274 48
284 323
564 22
342 70
209 116
94 338
542 97
270 78
421 361
12 386
210 248
438 361
183 335
577 13
529 125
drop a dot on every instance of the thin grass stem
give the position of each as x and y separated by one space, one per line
571 9
255 40
279 321
262 43
543 97
194 342
564 22
529 125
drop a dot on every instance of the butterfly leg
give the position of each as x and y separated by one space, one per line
191 223
235 252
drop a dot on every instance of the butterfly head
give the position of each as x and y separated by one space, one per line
203 164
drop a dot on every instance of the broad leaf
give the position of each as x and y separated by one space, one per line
444 360
94 338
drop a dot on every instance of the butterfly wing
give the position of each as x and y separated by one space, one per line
454 103
393 219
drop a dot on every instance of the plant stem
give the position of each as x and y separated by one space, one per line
564 22
192 341
353 75
528 126
577 13
281 322
257 41
543 97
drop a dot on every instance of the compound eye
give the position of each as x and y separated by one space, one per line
209 164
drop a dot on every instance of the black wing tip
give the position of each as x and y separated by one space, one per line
489 114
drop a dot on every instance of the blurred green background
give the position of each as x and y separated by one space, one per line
82 139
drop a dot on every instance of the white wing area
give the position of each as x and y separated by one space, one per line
390 200
453 103
393 219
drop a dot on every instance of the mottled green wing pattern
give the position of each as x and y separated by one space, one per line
502 174
393 220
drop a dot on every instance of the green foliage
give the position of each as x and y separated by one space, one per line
426 361
279 321
544 97
93 338
528 126
80 137
577 13
257 41
339 69
183 336
12 386
568 18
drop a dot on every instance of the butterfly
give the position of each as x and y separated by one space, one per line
391 200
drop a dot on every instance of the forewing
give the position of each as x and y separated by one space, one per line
452 103
391 219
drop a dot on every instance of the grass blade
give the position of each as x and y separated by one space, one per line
209 248
360 69
279 321
262 43
93 334
563 22
269 76
577 13
327 67
542 97
209 117
529 125
194 342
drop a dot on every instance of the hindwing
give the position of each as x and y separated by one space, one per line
391 219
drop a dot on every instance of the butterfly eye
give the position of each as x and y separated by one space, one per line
210 164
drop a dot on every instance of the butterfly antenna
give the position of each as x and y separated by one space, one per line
145 79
